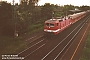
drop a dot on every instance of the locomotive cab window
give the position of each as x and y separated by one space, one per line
49 24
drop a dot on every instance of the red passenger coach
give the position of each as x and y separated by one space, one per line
77 16
56 25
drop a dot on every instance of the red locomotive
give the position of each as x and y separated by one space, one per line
56 25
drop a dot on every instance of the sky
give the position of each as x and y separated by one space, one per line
60 2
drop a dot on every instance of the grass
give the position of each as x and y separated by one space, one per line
86 50
35 27
10 45
35 30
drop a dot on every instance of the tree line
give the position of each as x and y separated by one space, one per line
21 17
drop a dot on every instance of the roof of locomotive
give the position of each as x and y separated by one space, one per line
56 20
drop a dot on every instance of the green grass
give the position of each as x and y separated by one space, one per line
10 45
35 28
86 50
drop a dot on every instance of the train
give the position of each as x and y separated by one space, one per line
55 25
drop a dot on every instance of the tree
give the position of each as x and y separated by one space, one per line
6 23
47 11
27 14
84 8
66 8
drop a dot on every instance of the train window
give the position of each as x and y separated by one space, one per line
47 24
50 24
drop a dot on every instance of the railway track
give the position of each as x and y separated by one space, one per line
58 50
75 48
54 47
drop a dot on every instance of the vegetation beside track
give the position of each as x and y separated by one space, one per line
13 45
86 51
10 45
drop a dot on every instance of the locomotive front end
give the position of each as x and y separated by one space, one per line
50 27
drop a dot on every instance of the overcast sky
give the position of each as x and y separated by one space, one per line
61 2
65 2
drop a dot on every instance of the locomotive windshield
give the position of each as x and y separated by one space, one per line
49 24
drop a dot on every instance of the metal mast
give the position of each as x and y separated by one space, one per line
13 16
15 32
